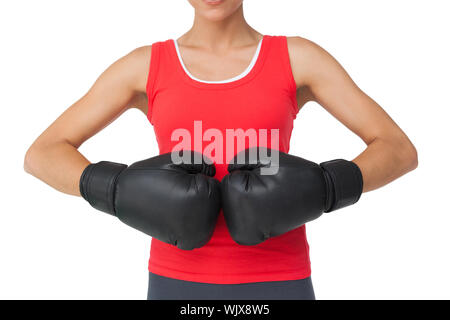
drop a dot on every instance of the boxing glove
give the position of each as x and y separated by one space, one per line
258 205
177 203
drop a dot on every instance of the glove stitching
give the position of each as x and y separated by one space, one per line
328 191
88 185
113 191
337 190
108 196
197 187
358 176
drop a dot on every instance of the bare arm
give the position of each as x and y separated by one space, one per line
389 153
54 157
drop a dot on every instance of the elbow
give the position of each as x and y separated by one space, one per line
30 161
410 158
414 160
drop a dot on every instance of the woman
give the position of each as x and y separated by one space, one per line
228 76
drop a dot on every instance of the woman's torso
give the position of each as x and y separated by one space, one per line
262 99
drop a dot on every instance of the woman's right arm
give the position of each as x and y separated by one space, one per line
54 157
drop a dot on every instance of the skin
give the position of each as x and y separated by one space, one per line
219 46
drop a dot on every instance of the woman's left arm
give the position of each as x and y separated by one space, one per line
389 153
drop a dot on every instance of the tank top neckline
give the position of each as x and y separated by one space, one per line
252 70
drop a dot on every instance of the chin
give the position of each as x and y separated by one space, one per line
216 10
215 15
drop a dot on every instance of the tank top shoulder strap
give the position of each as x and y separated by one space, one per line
278 62
160 60
278 69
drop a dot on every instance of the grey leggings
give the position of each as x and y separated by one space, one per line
162 288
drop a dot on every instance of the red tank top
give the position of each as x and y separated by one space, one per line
265 98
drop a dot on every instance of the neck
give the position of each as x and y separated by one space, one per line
233 31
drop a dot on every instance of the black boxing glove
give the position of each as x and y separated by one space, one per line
265 196
177 203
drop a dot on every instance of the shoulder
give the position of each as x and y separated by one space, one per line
307 57
298 42
301 47
143 51
139 56
135 66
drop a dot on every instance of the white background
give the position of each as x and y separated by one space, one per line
393 245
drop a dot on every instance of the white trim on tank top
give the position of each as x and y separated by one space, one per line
238 77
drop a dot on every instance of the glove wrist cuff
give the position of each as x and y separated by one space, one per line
97 185
344 183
